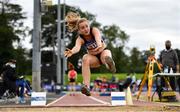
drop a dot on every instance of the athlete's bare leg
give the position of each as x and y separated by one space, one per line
88 61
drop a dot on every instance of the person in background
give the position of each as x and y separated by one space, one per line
9 77
96 87
91 39
72 77
97 84
133 84
104 85
126 83
169 60
23 87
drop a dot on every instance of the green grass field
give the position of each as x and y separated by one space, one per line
119 76
108 76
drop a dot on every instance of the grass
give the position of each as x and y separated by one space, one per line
119 76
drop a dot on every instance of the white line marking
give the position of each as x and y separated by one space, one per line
98 100
56 100
79 105
93 98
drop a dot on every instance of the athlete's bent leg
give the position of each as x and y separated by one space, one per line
106 58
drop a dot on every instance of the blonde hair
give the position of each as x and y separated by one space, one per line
73 20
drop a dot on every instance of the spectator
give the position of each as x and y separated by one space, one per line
22 85
169 59
72 76
104 85
113 78
9 77
96 87
97 84
126 83
133 83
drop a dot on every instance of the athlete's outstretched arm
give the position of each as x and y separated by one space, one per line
75 49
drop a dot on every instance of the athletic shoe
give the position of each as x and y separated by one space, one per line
110 65
21 100
85 90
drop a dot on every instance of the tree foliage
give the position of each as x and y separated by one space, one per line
12 31
136 60
114 32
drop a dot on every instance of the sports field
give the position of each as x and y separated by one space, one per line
94 103
95 109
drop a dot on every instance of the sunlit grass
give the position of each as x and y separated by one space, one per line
119 76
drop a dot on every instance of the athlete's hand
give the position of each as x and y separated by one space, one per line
97 48
68 53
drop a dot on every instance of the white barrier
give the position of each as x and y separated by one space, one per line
118 98
38 99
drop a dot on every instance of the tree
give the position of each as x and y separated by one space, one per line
136 61
24 63
11 29
116 39
120 59
115 35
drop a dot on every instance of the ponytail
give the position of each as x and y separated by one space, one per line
72 20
